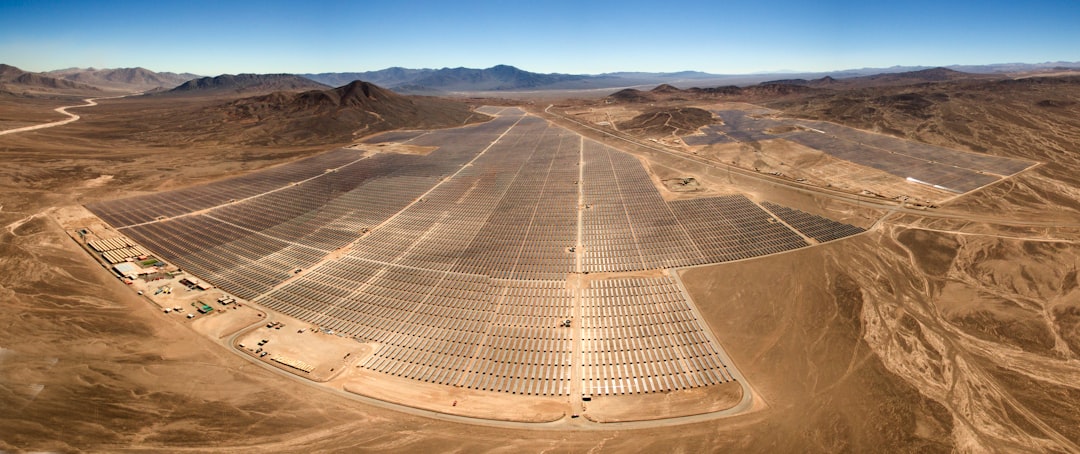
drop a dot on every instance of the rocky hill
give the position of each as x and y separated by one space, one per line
630 95
332 115
675 121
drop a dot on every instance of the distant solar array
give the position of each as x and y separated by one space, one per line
458 263
944 168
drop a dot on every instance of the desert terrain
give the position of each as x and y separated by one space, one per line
951 324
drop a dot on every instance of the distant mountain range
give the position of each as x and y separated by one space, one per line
887 79
508 78
493 80
501 78
665 92
15 81
124 79
86 81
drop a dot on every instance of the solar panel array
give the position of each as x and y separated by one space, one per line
734 228
639 335
953 170
456 264
814 226
146 208
628 225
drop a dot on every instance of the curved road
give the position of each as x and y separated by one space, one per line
90 102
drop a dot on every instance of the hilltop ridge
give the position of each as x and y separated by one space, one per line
246 84
16 81
128 79
331 115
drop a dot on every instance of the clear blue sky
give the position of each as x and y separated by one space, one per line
582 36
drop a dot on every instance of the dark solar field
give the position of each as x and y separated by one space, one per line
458 263
813 226
711 135
947 169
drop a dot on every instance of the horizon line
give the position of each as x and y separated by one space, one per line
723 74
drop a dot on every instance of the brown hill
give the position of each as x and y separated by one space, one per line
15 80
724 90
661 92
665 88
630 95
677 121
335 115
770 90
8 72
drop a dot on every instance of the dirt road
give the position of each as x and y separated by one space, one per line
90 102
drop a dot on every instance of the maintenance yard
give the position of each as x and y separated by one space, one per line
301 349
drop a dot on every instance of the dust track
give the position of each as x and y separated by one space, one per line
89 102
